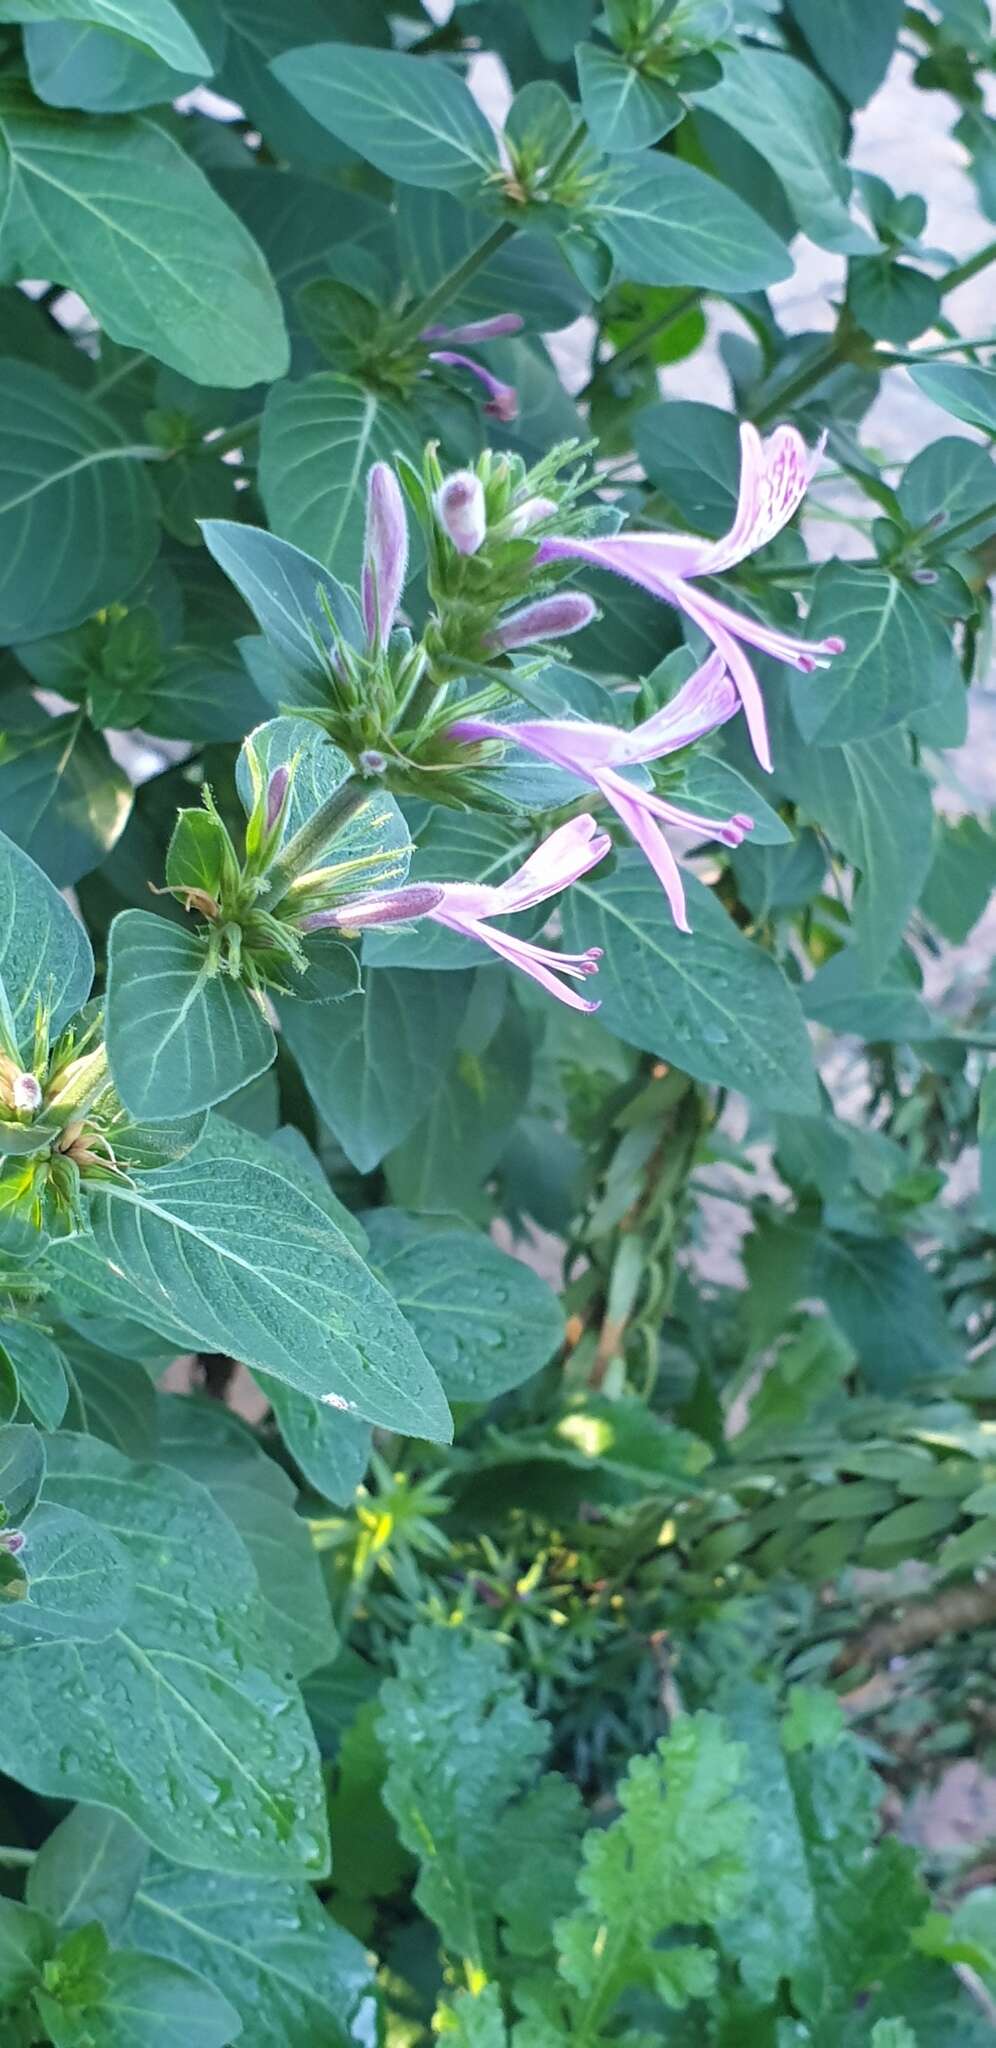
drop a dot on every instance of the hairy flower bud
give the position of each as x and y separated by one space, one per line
461 510
569 611
276 790
414 899
26 1092
528 514
385 554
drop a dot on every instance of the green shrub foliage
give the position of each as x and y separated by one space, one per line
492 980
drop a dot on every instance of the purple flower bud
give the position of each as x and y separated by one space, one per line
522 517
395 906
12 1540
461 510
550 618
276 790
477 330
372 762
924 576
26 1092
385 554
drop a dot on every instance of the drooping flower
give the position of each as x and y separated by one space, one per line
461 510
385 555
550 618
774 476
502 401
597 753
465 907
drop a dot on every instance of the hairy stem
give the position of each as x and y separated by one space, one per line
301 852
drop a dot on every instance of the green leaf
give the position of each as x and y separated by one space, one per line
854 45
44 950
205 1440
677 1857
625 108
26 1941
485 1321
442 1163
962 389
79 1581
892 301
949 481
373 1066
668 223
109 1396
296 1979
876 808
691 453
897 656
827 1910
181 1034
889 1306
413 118
332 1451
709 1001
142 2002
476 2020
461 1745
962 878
102 72
62 795
157 23
786 113
78 523
22 1470
232 1778
281 586
319 439
874 1001
40 1370
225 1255
115 208
88 1869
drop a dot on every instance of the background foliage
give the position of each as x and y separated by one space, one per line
561 1693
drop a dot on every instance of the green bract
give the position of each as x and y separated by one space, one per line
497 1129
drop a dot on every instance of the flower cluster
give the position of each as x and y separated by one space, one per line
774 476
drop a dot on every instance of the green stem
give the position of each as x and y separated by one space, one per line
301 852
632 350
449 287
970 268
236 437
19 1858
812 373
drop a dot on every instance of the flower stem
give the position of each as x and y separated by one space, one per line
451 285
303 849
632 350
22 1858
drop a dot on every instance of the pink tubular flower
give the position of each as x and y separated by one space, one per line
598 752
385 554
471 331
502 402
464 907
774 476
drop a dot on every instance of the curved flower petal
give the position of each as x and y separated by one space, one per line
775 475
